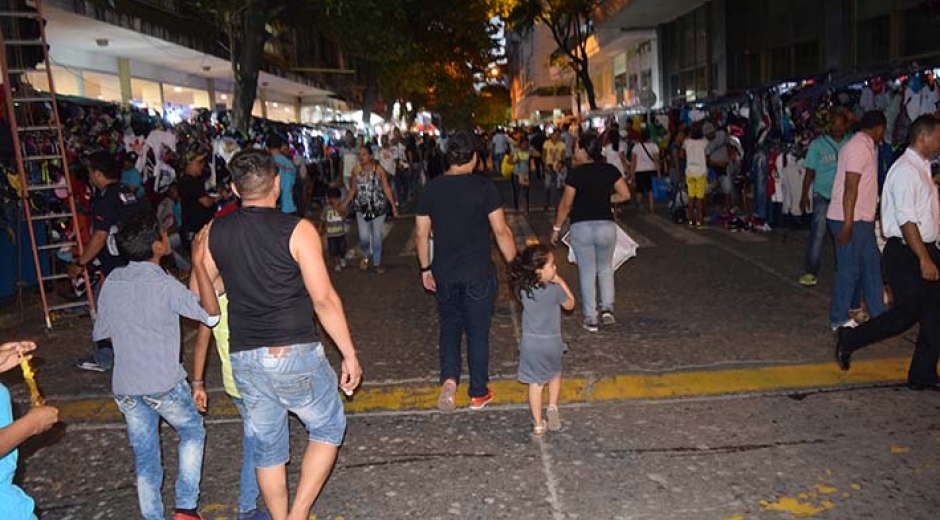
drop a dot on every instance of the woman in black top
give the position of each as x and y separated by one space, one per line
591 190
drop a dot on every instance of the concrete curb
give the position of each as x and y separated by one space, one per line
627 387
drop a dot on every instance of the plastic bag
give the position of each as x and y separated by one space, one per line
624 250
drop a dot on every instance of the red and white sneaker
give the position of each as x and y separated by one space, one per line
477 403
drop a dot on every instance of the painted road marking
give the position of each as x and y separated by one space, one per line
580 389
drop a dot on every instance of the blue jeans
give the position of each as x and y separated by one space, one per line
248 491
466 308
594 242
142 414
370 237
817 234
297 379
859 266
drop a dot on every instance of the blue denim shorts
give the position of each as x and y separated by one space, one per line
277 380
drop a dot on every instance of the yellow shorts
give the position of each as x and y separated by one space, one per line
696 186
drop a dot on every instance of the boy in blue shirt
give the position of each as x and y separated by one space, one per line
14 503
139 309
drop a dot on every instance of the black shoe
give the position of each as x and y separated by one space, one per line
920 387
843 355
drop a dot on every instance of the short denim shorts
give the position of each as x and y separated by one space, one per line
297 379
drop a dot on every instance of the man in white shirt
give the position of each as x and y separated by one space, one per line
910 214
388 158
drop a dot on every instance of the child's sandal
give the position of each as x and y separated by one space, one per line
538 431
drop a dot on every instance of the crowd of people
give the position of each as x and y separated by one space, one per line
258 272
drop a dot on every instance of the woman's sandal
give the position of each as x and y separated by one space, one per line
538 431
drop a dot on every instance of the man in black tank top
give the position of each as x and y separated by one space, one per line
275 277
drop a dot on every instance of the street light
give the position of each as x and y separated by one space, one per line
494 72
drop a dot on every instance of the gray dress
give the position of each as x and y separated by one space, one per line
541 348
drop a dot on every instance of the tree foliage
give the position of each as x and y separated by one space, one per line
571 24
428 52
493 106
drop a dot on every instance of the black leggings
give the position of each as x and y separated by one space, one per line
519 190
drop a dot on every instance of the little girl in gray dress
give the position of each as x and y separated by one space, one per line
534 278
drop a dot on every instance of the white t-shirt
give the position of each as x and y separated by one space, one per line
695 162
613 157
387 157
645 159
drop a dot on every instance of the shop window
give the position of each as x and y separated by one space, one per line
145 93
105 87
67 81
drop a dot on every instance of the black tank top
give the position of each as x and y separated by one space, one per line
268 303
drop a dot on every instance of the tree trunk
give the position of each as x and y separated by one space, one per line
588 85
249 35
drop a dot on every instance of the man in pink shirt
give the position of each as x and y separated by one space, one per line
851 219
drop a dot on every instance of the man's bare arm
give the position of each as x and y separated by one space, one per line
504 238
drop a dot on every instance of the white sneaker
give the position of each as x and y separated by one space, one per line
848 324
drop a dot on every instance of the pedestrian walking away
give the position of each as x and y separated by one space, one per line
910 213
588 201
276 278
535 281
148 382
461 209
851 219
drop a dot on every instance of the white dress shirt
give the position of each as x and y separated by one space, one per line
910 195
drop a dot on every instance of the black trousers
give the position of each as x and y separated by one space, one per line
916 301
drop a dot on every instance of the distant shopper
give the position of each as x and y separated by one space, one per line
696 174
332 225
372 198
287 172
535 281
461 209
644 165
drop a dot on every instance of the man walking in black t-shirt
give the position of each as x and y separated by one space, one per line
112 205
275 277
461 209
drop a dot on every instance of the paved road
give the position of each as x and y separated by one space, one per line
700 403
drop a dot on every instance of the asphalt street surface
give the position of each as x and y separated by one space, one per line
762 426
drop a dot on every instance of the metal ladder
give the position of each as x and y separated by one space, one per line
34 117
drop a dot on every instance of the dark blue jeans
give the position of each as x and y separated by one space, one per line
466 308
817 234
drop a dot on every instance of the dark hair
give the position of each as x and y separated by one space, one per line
696 131
333 193
253 172
104 162
274 141
460 148
873 119
924 124
367 148
523 272
645 135
135 239
613 137
591 143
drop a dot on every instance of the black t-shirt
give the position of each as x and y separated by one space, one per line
195 215
111 207
594 183
459 207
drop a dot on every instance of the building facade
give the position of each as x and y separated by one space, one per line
150 54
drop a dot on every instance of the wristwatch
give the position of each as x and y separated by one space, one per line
425 269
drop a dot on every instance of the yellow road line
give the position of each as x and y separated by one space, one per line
574 390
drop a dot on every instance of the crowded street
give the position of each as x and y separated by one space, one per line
469 259
708 399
